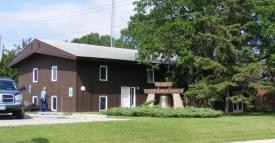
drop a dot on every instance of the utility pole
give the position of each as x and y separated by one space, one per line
112 22
1 48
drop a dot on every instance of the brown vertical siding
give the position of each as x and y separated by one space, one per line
119 74
74 74
66 77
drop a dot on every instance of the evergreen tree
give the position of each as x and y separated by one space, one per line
218 45
105 40
8 56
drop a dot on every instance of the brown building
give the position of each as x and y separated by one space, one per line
112 76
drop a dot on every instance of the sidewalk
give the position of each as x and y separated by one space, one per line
258 141
36 119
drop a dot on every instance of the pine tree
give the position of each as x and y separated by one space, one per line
8 56
218 45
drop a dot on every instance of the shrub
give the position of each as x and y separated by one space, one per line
157 111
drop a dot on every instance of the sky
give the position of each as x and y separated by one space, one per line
60 19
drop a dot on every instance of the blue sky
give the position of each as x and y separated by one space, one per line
59 19
15 5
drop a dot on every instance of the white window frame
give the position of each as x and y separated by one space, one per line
53 72
106 103
33 97
238 110
33 71
153 78
52 103
106 67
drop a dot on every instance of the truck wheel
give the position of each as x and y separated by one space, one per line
20 114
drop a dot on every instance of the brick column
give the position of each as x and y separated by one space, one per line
177 101
150 97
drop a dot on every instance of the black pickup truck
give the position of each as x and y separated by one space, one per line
11 101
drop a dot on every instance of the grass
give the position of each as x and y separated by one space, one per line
148 130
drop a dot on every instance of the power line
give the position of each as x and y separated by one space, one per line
194 13
188 14
59 18
73 11
101 28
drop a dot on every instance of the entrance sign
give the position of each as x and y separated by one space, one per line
163 84
70 92
162 91
164 99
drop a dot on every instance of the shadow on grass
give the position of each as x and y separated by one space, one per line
36 140
252 114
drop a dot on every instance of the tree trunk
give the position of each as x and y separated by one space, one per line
210 104
226 108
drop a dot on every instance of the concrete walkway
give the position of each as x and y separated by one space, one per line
35 119
258 141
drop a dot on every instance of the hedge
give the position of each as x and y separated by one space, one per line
156 111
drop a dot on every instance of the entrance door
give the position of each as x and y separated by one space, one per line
103 103
128 96
54 103
237 107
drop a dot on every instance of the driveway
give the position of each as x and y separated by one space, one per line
34 119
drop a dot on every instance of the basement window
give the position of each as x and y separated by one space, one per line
150 76
54 73
103 73
35 75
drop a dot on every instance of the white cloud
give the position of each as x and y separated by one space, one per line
63 21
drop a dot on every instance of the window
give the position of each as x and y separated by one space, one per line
150 76
235 106
54 73
103 103
35 100
54 103
103 73
238 107
35 75
7 85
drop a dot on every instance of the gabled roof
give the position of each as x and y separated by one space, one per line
73 51
94 51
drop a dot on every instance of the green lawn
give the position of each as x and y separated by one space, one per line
148 130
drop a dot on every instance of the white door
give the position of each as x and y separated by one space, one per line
103 103
133 97
54 103
238 107
128 96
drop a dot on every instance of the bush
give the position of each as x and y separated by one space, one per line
157 111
